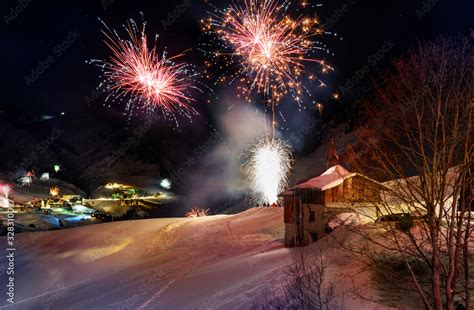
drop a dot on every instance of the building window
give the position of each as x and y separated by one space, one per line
312 196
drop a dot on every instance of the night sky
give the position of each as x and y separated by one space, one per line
30 38
36 33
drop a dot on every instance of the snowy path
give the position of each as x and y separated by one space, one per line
218 262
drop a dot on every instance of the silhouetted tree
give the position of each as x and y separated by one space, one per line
420 122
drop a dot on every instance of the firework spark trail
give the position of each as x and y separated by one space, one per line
268 46
27 179
137 75
268 163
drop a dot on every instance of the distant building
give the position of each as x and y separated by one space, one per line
309 205
332 158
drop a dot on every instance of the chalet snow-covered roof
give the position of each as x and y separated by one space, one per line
332 177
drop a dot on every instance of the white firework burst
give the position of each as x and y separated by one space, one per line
268 163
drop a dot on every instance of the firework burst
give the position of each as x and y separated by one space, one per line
54 191
165 183
268 46
268 163
57 168
137 75
44 176
320 108
197 212
27 179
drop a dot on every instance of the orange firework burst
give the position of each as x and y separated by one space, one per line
197 212
54 191
136 74
270 47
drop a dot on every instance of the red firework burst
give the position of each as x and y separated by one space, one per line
136 74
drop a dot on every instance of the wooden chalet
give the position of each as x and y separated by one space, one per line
309 205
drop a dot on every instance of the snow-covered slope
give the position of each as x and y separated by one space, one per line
215 262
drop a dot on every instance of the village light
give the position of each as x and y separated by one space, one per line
117 186
4 202
6 189
165 183
45 177
57 168
112 185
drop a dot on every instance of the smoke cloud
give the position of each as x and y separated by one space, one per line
216 180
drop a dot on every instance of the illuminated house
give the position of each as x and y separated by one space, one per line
309 205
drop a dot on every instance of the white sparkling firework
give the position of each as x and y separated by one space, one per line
268 163
27 179
165 183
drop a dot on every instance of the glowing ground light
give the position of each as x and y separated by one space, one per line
138 76
54 191
5 189
57 168
268 163
165 183
270 48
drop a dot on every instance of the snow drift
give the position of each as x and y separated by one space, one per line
214 262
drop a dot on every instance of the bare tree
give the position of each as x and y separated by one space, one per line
420 123
307 286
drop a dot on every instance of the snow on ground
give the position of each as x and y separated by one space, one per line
215 262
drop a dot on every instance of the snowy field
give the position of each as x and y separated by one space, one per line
217 262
